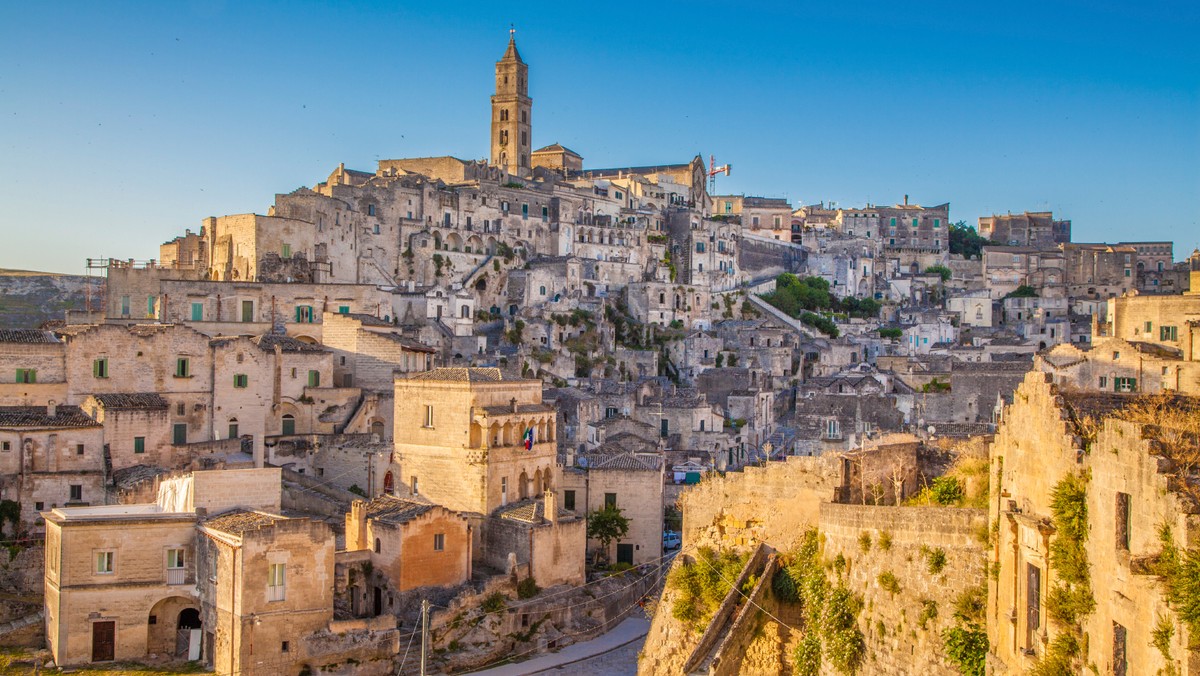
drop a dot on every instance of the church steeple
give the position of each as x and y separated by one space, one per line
512 112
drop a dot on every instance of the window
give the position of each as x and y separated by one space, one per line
699 247
1125 384
104 562
412 482
937 222
610 500
26 375
78 449
139 444
240 380
1149 326
439 542
287 251
247 311
569 500
179 408
378 545
545 213
197 312
39 506
314 378
276 581
1123 517
1167 332
833 429
6 446
233 428
124 306
174 558
304 314
150 306
370 209
524 210
1120 656
893 223
288 425
343 309
179 435
76 492
182 368
285 647
428 416
1103 382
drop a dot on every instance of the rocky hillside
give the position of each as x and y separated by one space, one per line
29 298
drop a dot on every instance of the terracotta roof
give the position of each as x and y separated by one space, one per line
389 509
467 375
128 477
239 521
144 401
530 510
626 461
38 417
557 148
27 336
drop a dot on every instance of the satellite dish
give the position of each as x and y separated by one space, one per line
932 429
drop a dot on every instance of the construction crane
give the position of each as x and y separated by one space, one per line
713 171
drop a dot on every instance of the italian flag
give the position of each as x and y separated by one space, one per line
529 439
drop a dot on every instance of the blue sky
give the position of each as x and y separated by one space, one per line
124 123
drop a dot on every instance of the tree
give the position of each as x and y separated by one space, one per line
966 242
606 525
942 270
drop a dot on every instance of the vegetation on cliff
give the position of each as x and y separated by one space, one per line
1070 598
830 611
702 584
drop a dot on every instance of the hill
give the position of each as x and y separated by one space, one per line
29 298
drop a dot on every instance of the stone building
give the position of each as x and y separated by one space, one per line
1099 270
50 456
1007 267
1078 446
33 367
631 481
411 543
1036 229
367 352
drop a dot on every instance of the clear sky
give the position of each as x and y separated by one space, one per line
122 124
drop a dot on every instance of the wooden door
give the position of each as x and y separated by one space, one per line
625 554
104 635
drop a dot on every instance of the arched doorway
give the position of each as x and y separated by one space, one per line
174 628
377 428
389 484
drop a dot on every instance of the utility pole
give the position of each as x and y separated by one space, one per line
424 633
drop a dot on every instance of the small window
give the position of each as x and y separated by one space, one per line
439 542
39 506
343 309
104 562
139 444
100 368
197 312
26 375
287 251
233 428
179 434
1103 382
174 559
288 425
370 209
241 380
314 378
413 486
428 415
285 646
76 492
6 446
610 500
378 546
1170 333
78 449
182 368
569 500
1123 518
276 581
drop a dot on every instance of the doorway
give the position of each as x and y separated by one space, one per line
625 554
378 601
104 636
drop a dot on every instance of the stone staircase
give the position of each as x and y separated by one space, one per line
732 615
22 622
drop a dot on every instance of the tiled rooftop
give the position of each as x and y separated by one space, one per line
39 417
269 341
142 401
389 509
27 336
238 522
465 375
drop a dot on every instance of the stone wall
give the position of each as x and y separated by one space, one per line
896 641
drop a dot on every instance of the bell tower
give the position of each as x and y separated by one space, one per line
511 115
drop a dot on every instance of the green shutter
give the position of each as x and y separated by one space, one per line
314 378
139 444
197 312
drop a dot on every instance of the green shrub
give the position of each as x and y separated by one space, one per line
929 611
885 540
702 585
946 490
527 588
935 559
806 658
864 541
889 583
1180 574
494 603
1070 599
967 648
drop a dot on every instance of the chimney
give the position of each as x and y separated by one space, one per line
51 409
513 402
551 507
906 200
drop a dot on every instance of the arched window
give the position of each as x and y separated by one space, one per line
389 484
233 428
466 312
289 424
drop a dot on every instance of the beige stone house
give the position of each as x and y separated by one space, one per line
412 543
50 456
632 482
1131 493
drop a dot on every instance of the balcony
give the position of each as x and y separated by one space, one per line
176 576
